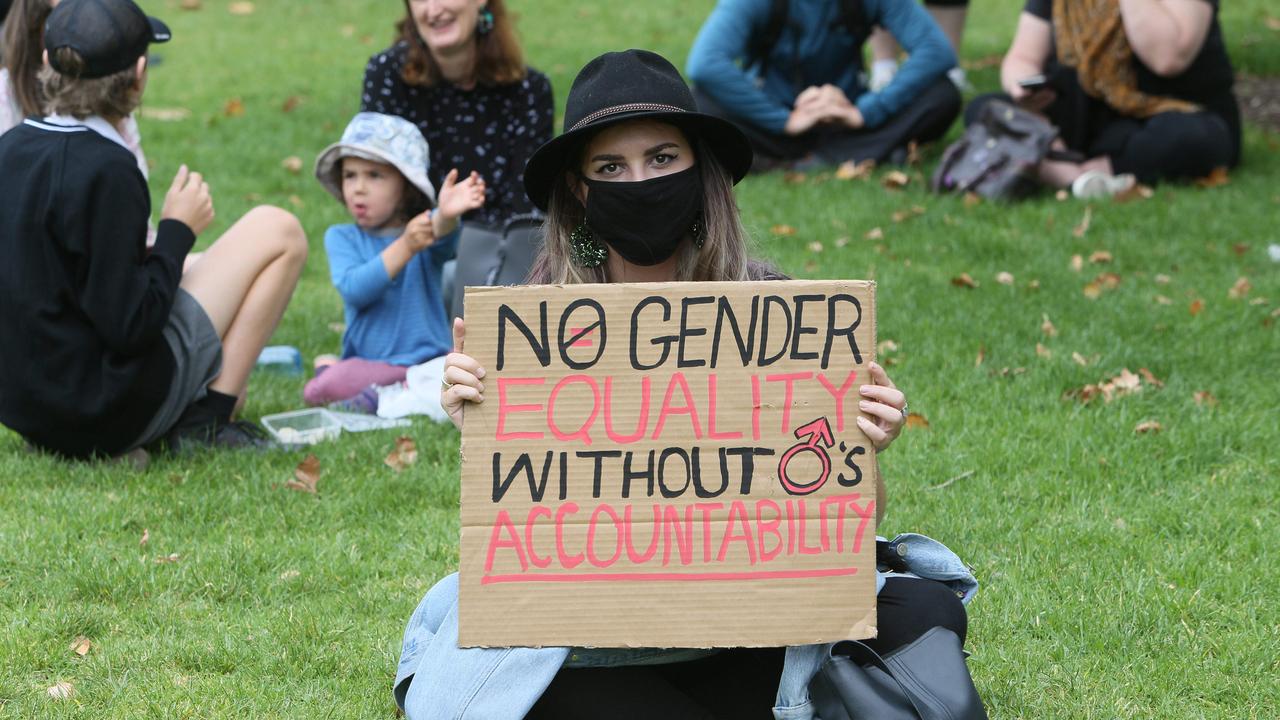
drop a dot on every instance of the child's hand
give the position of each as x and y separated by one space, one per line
420 233
456 198
188 201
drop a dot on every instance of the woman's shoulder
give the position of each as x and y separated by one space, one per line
391 58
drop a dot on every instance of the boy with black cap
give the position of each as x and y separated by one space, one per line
104 347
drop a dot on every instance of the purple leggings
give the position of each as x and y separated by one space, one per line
346 378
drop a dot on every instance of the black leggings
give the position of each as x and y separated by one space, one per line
738 683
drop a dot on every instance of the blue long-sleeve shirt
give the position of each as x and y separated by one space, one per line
400 320
813 49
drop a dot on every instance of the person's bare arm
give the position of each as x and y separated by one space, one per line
1032 44
1166 35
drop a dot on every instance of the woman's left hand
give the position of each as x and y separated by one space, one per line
886 405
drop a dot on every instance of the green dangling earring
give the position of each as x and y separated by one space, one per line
484 24
585 249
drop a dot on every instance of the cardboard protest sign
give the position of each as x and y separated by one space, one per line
668 465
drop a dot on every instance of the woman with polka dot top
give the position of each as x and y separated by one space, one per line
457 72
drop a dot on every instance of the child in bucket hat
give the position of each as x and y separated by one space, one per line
387 263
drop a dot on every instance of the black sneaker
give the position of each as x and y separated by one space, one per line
234 435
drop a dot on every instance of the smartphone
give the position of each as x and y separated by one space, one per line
1034 83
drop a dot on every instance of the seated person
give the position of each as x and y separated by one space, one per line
1139 87
386 264
790 75
104 346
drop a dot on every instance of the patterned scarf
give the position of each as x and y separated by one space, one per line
1090 37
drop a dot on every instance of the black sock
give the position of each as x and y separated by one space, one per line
221 405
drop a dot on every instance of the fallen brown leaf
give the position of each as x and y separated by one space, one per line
1163 279
1043 352
792 177
1273 23
874 233
1240 249
1148 426
895 180
916 420
81 646
1033 284
815 247
849 170
784 230
191 4
290 104
165 114
1100 256
168 559
1079 359
293 164
289 574
972 199
1150 378
1126 383
1077 263
241 8
296 201
1062 196
840 242
404 454
1083 227
1137 191
306 476
1197 306
62 690
982 355
1047 327
884 347
146 537
347 30
1004 278
233 108
1204 398
964 280
1217 178
1240 288
1162 300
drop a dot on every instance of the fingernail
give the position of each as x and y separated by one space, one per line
864 404
865 390
481 388
479 372
863 421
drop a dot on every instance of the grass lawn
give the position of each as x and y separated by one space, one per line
1125 575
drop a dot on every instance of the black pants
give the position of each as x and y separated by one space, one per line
1168 146
925 119
738 683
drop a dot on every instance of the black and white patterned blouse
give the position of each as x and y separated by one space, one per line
489 129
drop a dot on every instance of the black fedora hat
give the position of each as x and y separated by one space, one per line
631 85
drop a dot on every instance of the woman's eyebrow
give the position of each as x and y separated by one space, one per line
659 148
607 158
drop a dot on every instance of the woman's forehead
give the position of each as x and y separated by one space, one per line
634 136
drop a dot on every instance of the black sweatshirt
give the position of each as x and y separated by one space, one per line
83 363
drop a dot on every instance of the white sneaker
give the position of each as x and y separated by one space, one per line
882 73
1095 184
958 78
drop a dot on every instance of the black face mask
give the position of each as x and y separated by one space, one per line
645 221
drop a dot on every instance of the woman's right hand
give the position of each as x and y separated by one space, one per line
188 201
462 378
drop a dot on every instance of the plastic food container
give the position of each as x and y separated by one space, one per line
306 427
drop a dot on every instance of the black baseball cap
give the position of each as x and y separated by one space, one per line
110 35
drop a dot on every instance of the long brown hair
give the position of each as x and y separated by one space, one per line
499 60
23 46
723 255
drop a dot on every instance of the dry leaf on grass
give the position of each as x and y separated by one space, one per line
884 347
1150 378
1240 288
1204 398
306 476
293 164
964 280
290 104
168 559
1148 426
1083 227
1046 326
296 201
165 114
146 537
81 646
191 4
815 247
62 690
1163 279
895 180
849 170
1033 284
1240 249
241 8
233 108
1196 307
792 177
347 30
916 420
1062 195
1043 351
1217 178
1079 359
782 230
1126 383
982 355
840 242
1272 23
972 199
289 574
903 215
1100 256
404 454
874 233
1077 263
1162 300
1100 284
1137 191
1004 278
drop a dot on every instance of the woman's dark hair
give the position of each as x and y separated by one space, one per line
499 60
23 46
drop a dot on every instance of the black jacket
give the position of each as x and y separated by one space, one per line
83 364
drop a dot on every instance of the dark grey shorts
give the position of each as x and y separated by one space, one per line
197 360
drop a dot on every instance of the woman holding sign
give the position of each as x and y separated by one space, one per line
639 188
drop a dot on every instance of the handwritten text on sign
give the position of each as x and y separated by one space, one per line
668 465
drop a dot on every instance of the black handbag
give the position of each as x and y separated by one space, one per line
492 255
997 155
925 680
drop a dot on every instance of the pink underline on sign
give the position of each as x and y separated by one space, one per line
656 577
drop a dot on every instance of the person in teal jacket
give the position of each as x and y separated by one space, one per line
789 73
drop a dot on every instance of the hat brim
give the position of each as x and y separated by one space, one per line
723 138
329 163
159 31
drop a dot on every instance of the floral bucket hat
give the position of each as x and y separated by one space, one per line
378 138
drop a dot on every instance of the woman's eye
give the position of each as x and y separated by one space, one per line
608 169
663 159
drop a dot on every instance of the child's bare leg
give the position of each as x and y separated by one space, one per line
1060 174
244 282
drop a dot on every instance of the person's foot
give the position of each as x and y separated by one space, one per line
233 435
365 402
1097 184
